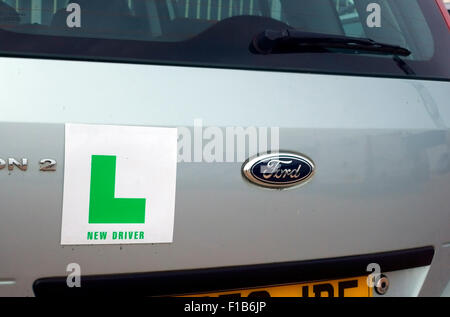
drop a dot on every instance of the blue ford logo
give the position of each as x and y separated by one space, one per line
279 170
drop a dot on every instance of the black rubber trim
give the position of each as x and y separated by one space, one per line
225 278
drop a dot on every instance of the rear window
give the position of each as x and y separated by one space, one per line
221 33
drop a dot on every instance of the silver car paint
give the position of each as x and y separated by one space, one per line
381 146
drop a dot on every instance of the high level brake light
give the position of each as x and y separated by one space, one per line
444 12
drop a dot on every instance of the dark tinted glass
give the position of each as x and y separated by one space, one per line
219 33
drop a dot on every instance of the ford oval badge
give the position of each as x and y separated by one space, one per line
279 170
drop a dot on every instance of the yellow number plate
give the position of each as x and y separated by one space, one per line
350 287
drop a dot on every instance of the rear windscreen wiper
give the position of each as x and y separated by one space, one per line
295 41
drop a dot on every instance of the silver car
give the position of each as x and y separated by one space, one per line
224 148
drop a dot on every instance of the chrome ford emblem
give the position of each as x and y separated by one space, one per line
279 170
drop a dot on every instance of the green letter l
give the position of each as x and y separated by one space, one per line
103 206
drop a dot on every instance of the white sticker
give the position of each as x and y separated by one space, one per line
119 184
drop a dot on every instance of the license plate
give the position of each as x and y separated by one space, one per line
350 287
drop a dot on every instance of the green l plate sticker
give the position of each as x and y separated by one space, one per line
103 206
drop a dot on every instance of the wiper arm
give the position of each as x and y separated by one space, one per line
295 41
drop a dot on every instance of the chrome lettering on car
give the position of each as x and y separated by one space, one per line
22 165
46 165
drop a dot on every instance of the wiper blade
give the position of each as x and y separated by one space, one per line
295 41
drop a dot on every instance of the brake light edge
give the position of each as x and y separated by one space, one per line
444 12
